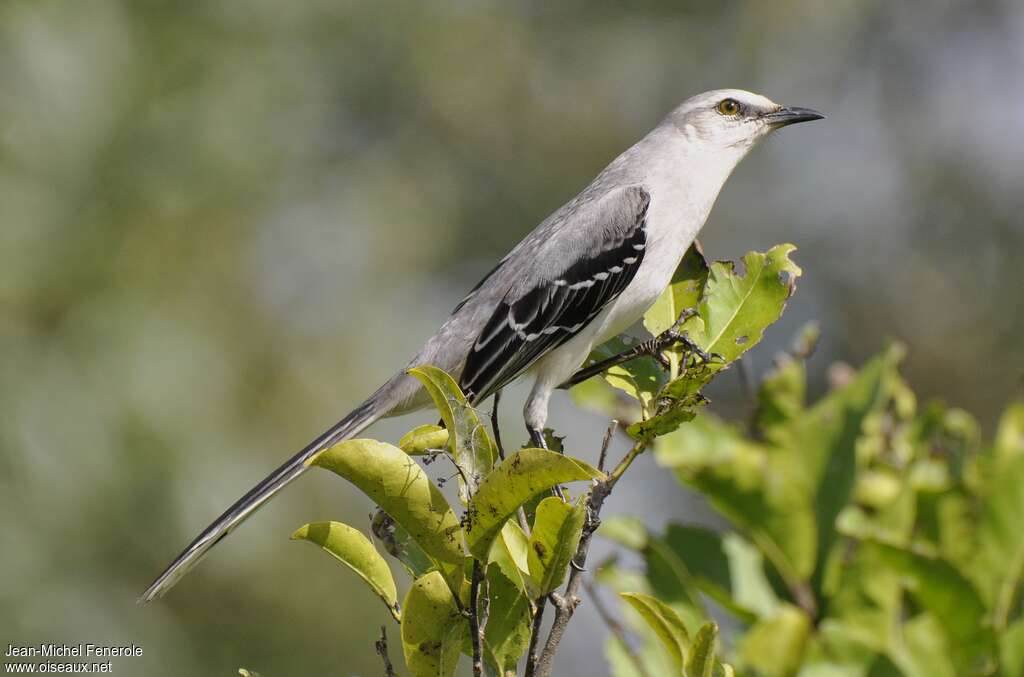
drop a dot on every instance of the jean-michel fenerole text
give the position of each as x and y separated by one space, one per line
64 650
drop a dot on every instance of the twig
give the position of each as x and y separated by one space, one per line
614 627
520 513
538 620
382 649
605 443
565 605
476 633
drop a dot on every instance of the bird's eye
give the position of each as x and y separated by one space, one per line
729 107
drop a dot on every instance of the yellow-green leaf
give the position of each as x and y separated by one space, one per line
700 658
354 550
556 533
424 439
507 634
509 554
468 441
399 486
775 646
432 628
522 476
736 309
665 623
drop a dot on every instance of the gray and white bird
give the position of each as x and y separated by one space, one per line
584 275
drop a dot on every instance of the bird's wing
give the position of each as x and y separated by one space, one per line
577 276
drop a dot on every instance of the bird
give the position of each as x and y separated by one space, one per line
584 275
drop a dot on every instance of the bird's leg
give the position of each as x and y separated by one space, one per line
537 439
653 347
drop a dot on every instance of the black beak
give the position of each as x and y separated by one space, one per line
791 115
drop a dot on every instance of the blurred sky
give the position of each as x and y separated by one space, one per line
223 223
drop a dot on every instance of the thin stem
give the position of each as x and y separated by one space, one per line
615 628
538 621
476 634
565 605
382 649
605 443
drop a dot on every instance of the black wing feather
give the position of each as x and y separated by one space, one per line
521 331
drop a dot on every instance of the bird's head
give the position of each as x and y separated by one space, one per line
734 118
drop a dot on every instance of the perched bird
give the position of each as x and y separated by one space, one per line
584 275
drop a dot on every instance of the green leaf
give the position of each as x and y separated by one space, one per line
781 397
820 450
662 423
924 650
399 486
664 622
470 445
750 484
998 566
629 532
736 309
507 633
424 439
400 544
950 597
727 568
775 646
700 659
1011 650
683 293
522 476
432 628
556 533
597 395
509 553
1009 442
354 550
620 661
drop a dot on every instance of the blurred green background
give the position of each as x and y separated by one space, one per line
223 223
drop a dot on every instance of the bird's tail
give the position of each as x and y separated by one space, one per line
346 428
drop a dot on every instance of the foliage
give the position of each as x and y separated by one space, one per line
510 568
870 535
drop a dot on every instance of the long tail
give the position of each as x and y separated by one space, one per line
348 427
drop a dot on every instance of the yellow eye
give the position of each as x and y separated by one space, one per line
729 107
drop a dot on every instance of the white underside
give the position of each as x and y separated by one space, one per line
673 221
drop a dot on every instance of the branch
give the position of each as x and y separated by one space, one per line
532 655
565 605
476 633
382 649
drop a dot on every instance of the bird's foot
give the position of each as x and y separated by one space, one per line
674 336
